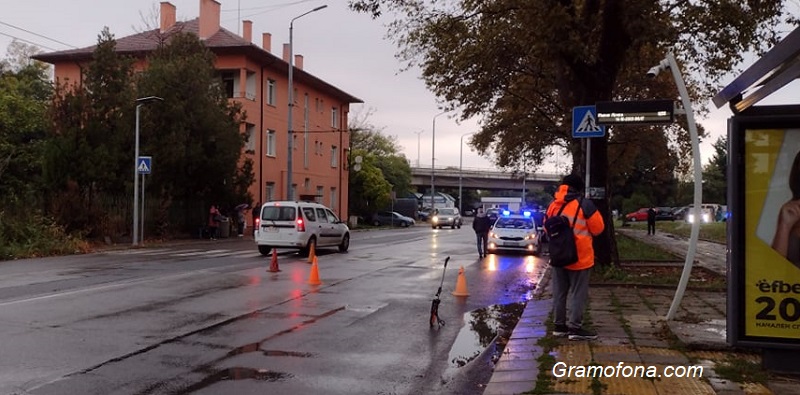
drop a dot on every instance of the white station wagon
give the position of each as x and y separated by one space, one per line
300 225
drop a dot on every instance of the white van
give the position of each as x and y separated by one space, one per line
301 225
708 212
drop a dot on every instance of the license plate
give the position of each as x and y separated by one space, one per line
272 229
509 244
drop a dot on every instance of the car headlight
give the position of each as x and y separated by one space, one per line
435 218
530 236
493 235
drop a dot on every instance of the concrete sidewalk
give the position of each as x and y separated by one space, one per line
632 330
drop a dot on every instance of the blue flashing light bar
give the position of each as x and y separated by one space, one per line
506 212
526 214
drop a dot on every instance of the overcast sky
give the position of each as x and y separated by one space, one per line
346 49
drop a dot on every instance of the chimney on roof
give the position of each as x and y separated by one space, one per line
247 30
167 16
209 18
286 53
266 41
298 61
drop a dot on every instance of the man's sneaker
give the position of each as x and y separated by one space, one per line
581 334
560 331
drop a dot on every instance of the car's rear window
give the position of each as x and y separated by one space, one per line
278 213
514 223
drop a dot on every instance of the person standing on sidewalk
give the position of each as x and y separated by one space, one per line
573 280
651 221
213 222
481 225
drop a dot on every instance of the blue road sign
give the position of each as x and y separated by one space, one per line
144 165
584 122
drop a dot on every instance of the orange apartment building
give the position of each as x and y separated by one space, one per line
259 80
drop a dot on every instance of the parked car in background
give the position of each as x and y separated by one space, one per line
679 213
638 215
664 214
446 217
424 214
300 225
391 218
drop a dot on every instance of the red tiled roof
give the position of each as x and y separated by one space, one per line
222 42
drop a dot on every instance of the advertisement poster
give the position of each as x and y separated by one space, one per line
771 283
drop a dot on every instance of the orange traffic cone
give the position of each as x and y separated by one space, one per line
312 254
461 284
273 265
313 277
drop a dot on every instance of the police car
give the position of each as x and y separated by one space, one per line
513 232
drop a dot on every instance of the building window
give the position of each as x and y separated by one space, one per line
320 194
271 92
334 156
307 184
334 118
333 198
250 139
270 143
228 83
316 104
270 192
250 86
292 191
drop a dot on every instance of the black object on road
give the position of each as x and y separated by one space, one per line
435 303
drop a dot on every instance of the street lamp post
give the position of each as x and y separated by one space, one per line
460 168
418 140
669 63
140 102
433 160
291 104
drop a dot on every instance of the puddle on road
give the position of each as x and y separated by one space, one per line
482 327
238 373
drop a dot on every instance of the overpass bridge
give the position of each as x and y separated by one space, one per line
485 179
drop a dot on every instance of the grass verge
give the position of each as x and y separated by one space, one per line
715 231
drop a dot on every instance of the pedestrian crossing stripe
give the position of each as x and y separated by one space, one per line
588 124
185 253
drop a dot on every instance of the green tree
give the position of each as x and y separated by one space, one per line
88 154
383 153
715 174
369 189
523 65
194 134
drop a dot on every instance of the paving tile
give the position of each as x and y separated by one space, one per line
506 376
521 346
521 364
682 386
507 388
654 342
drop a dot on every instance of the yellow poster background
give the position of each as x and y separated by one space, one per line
771 282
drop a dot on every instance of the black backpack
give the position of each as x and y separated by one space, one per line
563 251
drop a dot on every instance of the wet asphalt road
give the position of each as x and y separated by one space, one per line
208 318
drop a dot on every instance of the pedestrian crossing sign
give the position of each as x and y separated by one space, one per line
584 122
144 164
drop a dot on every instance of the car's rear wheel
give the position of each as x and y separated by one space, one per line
405 224
312 243
633 219
265 250
345 244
